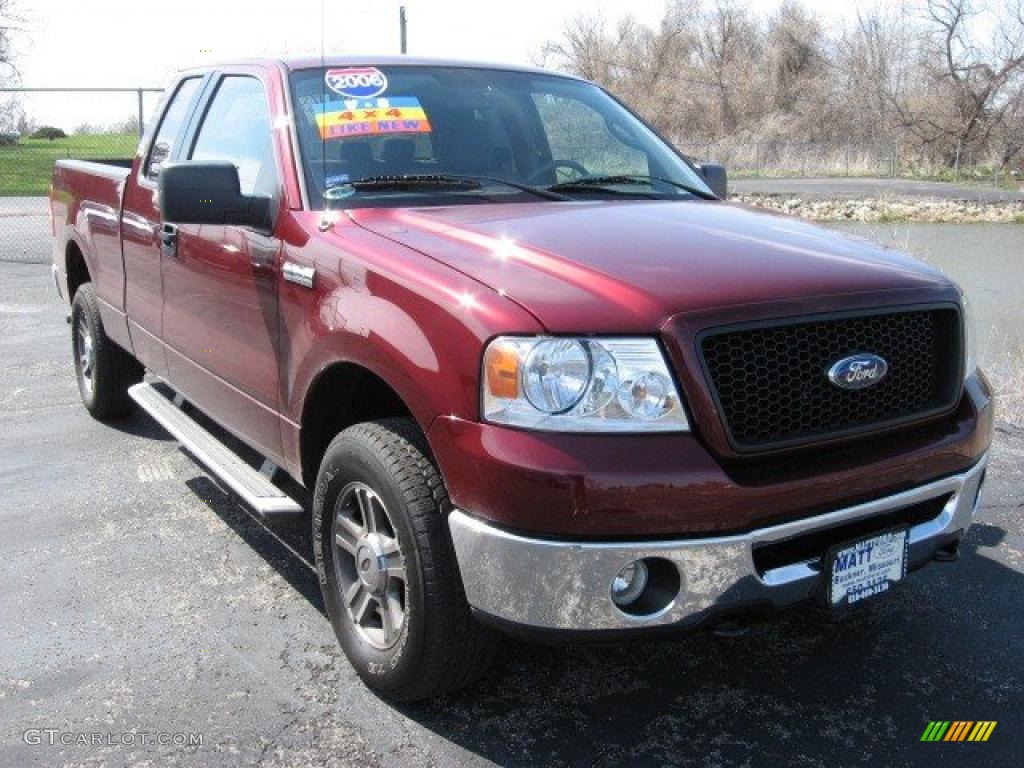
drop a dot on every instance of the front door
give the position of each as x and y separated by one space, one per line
140 229
220 323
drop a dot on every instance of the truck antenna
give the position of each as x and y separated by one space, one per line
323 94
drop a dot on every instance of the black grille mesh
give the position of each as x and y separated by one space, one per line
772 386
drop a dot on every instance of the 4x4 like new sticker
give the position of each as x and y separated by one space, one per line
356 82
360 117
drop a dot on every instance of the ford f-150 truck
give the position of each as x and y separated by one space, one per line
536 374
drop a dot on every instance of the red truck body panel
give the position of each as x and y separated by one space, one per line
86 211
659 486
627 267
413 296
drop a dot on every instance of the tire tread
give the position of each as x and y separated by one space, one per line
115 368
458 650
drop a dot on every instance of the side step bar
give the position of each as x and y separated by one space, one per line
253 486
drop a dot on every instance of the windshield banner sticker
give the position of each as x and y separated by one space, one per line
361 117
356 82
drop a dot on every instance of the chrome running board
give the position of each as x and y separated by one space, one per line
251 485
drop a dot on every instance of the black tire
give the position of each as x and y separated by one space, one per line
439 646
103 369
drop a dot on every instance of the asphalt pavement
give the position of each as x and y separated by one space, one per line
137 598
24 229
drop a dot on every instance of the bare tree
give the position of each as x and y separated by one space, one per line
9 22
964 88
794 55
10 108
727 46
645 66
584 49
915 75
1008 134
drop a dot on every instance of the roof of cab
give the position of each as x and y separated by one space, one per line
370 60
366 60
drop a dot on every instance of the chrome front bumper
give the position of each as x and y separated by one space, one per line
562 585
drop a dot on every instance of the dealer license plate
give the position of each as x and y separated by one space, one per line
868 567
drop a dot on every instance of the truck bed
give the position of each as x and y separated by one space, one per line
85 208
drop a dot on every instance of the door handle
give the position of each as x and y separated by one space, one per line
298 274
169 239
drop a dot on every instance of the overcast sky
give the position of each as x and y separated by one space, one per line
134 43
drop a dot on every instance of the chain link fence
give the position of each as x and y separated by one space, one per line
874 159
786 159
39 126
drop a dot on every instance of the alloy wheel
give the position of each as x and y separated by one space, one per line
369 566
85 351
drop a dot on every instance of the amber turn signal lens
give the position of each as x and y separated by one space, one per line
501 370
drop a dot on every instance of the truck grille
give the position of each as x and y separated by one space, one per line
771 385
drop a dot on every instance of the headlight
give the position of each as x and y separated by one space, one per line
970 337
580 385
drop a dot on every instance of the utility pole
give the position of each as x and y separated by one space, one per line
402 26
141 125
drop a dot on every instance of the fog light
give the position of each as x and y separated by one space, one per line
629 583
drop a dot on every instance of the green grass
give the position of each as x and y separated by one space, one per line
26 168
892 217
1018 218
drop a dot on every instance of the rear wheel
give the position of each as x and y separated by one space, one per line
104 370
387 568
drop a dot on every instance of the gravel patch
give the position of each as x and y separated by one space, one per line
882 209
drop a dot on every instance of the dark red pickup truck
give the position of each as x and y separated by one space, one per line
536 374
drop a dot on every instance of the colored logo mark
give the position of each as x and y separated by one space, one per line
959 730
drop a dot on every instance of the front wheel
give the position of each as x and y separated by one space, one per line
387 568
104 370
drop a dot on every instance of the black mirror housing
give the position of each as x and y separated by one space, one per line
715 176
209 193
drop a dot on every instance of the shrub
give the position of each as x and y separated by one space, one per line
49 132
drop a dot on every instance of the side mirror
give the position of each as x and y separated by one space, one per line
209 193
714 175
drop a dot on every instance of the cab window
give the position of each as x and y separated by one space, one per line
236 129
169 132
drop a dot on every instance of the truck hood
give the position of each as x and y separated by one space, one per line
628 266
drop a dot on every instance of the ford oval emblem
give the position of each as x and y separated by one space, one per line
858 371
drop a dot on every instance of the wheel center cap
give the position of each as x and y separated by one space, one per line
370 565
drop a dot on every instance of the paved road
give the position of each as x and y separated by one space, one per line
854 188
24 229
135 596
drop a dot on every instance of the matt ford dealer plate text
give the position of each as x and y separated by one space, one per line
867 567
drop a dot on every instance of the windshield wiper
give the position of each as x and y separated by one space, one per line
410 180
626 178
547 194
442 181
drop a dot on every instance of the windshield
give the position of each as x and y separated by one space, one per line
549 137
